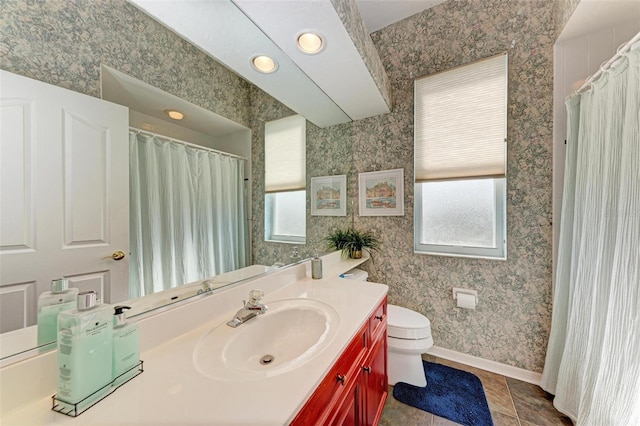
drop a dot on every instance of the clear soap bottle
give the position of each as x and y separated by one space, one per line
126 347
85 349
50 304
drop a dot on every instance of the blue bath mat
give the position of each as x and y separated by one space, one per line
450 393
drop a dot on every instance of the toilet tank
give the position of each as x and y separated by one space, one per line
355 274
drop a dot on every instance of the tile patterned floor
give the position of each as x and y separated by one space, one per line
512 403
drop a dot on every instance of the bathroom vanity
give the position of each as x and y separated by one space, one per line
200 371
355 390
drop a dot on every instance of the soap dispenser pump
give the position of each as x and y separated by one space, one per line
126 347
316 267
50 304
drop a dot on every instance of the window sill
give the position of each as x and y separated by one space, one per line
470 256
286 242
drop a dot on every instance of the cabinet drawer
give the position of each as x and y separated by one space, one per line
339 378
378 319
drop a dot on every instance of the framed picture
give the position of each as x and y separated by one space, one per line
382 193
329 195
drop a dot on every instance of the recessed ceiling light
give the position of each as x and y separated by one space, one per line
310 43
176 115
264 64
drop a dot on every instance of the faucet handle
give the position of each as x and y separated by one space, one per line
255 296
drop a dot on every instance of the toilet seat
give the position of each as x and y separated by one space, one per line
410 346
403 323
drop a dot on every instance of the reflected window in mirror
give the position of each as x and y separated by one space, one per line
285 180
285 216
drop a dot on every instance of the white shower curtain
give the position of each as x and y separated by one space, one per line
188 214
593 358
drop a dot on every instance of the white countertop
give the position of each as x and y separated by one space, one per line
171 391
25 339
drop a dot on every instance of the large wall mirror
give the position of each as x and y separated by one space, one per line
223 112
100 210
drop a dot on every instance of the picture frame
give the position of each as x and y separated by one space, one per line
381 193
329 195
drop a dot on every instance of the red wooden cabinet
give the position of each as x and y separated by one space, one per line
355 390
376 385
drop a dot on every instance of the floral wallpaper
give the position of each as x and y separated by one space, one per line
63 42
513 316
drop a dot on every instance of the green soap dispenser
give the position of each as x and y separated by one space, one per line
50 304
126 347
85 341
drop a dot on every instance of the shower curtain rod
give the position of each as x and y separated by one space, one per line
192 145
624 48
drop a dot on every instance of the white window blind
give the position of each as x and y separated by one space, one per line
285 158
461 122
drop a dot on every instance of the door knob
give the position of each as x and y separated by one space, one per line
116 255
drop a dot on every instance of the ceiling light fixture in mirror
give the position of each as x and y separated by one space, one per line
174 114
264 64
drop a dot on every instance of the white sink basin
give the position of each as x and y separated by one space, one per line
287 336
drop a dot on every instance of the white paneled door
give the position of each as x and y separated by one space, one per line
64 195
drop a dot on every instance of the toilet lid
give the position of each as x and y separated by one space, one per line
403 323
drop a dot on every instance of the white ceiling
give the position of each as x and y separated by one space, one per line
592 16
378 14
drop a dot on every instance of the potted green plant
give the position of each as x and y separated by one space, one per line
351 242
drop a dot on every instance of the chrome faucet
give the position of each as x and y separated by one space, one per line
295 254
250 309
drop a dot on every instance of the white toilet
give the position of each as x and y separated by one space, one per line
408 337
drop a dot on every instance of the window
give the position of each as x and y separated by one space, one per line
460 160
285 180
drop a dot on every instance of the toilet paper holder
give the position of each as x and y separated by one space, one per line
457 291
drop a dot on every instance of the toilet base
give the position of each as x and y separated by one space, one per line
406 368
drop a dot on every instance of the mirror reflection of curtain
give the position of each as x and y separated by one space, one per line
593 358
188 214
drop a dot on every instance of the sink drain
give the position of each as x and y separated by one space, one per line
266 360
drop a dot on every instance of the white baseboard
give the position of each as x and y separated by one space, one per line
488 365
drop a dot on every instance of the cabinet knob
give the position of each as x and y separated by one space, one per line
379 317
367 369
340 378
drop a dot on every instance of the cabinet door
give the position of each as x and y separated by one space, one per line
375 372
348 412
334 390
